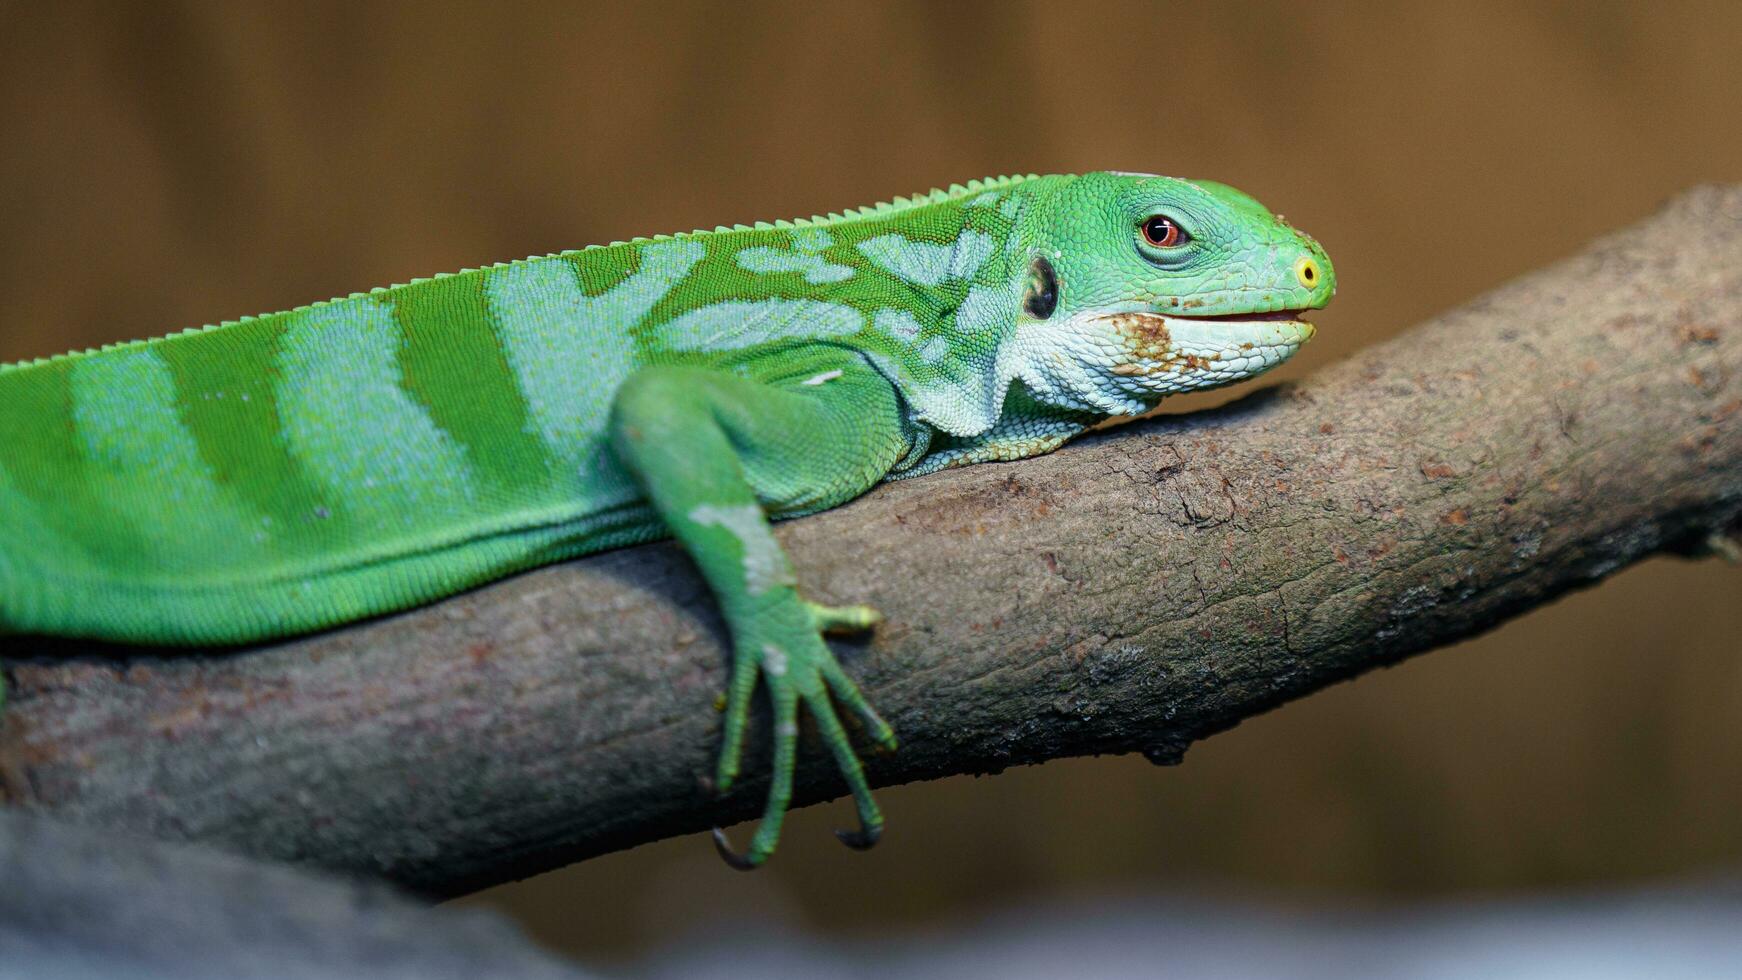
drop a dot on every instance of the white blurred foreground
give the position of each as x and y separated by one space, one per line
1670 933
83 902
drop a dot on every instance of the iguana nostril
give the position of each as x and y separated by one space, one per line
1307 271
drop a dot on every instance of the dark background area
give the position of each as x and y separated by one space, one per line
172 164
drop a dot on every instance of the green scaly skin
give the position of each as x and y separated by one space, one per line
294 471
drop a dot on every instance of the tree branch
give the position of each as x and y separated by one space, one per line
1136 591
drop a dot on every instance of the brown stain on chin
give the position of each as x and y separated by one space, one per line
1147 341
1151 346
1145 333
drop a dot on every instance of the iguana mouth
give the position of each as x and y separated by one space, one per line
1243 317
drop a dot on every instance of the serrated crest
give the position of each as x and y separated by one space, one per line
879 209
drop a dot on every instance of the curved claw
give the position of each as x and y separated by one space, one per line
870 818
863 839
735 860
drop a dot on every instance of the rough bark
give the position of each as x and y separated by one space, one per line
1136 591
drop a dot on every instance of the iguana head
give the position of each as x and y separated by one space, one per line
1142 286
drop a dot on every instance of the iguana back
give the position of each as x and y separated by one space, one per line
297 470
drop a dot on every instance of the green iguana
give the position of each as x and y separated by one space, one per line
284 473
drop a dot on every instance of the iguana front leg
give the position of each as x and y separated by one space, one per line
714 452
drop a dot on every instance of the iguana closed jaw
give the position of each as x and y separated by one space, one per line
1166 353
1296 315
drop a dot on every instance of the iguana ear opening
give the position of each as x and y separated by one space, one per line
1041 297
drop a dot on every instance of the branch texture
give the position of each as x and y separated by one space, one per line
1136 591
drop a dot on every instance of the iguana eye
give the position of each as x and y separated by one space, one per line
1160 231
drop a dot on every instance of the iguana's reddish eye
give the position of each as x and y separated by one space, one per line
1160 231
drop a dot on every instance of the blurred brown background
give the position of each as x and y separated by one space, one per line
171 164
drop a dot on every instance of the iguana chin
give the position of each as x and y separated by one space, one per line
284 473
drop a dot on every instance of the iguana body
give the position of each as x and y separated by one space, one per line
290 472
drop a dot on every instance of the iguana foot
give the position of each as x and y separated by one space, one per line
788 653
